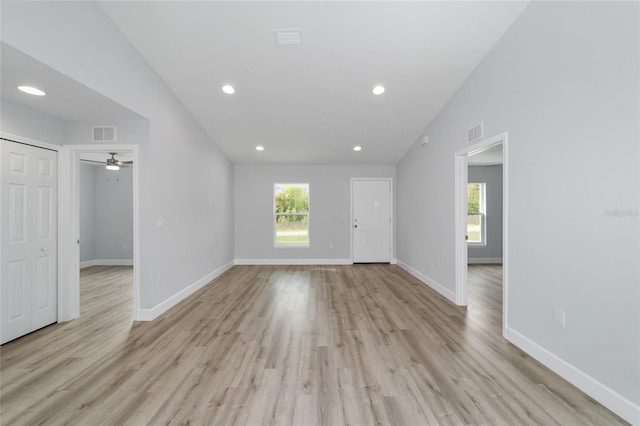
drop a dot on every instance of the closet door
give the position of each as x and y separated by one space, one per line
28 215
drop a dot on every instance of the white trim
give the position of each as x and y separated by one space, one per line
69 294
487 260
429 282
293 262
29 141
606 396
391 210
106 262
460 228
68 301
159 309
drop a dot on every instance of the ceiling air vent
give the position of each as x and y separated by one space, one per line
476 132
103 133
288 36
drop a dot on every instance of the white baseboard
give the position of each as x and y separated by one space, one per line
87 263
615 402
106 262
428 281
488 260
159 309
293 261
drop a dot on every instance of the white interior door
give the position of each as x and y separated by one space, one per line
371 205
29 239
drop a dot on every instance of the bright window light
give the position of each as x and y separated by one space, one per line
291 214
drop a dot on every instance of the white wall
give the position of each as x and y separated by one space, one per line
185 179
87 178
106 214
19 120
114 214
330 209
129 132
492 177
563 81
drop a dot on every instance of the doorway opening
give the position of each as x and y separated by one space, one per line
481 221
116 243
106 232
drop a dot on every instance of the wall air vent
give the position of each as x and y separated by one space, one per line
103 133
288 36
476 132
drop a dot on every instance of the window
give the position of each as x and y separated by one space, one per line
476 214
291 214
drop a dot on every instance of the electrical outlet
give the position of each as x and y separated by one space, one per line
437 263
559 317
426 259
330 245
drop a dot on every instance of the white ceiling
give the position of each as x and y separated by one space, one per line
66 99
305 104
312 103
489 157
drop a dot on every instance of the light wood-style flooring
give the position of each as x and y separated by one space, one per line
287 345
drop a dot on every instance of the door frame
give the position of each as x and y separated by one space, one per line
461 181
392 259
69 293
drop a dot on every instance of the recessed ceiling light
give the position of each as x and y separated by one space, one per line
228 89
259 148
357 148
378 90
31 90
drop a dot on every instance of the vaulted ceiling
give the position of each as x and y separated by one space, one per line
313 102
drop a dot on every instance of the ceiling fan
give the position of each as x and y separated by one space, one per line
111 163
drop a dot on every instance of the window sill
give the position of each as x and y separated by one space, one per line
476 244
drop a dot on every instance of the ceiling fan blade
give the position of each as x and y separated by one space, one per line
91 161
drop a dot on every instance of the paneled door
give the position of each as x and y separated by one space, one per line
28 216
371 227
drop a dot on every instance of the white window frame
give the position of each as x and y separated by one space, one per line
275 216
482 201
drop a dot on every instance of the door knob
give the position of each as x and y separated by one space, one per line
355 226
43 249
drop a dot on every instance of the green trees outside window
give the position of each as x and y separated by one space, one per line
476 213
291 214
